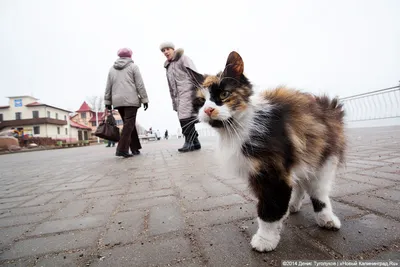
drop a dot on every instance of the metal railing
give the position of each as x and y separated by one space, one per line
375 105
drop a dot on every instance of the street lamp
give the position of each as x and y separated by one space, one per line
97 122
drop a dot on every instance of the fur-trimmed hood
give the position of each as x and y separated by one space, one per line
177 55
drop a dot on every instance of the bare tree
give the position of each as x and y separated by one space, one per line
96 103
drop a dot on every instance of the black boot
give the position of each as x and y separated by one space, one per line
190 146
185 147
123 154
190 133
196 144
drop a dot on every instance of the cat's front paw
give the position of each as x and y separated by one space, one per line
265 243
328 221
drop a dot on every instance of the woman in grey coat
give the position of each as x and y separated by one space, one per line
181 89
126 92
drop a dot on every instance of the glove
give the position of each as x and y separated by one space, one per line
108 107
146 105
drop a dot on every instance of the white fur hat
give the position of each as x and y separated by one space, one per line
167 45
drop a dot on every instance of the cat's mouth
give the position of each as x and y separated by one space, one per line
219 123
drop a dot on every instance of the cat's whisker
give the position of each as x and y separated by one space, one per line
238 128
196 84
232 135
227 127
230 124
189 123
192 136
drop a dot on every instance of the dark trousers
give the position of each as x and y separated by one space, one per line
189 129
129 135
110 143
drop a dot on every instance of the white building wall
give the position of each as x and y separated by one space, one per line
54 112
52 131
46 130
75 134
26 112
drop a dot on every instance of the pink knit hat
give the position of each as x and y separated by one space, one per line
124 52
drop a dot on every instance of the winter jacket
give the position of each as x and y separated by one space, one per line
180 84
125 87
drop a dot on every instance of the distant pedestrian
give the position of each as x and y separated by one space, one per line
126 92
110 143
166 135
181 90
158 134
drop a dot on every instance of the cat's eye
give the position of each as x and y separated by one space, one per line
224 94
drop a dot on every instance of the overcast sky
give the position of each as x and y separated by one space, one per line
61 51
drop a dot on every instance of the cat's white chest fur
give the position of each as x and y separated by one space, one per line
232 158
231 141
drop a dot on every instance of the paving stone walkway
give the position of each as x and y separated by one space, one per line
85 207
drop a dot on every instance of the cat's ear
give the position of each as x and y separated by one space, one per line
234 65
197 78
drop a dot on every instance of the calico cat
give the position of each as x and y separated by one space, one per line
285 142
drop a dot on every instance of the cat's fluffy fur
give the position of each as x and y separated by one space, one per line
283 141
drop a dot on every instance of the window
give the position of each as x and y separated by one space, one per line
17 115
36 129
83 115
48 114
58 130
35 114
1 117
66 131
56 116
93 123
65 117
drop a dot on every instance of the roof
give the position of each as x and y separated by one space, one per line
33 104
101 116
78 125
20 96
84 107
37 104
2 107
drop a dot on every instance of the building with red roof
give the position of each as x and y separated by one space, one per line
28 116
87 117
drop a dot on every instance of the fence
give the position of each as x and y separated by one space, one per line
376 105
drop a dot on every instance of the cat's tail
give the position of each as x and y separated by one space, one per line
333 106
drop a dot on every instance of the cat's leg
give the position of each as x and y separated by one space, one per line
273 205
297 198
319 190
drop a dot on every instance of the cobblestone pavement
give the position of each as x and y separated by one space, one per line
85 207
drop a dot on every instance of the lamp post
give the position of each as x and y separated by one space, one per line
97 122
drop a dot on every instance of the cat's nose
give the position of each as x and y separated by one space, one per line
208 111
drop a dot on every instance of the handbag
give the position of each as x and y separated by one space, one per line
108 129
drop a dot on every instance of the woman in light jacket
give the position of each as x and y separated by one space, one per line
182 91
125 91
